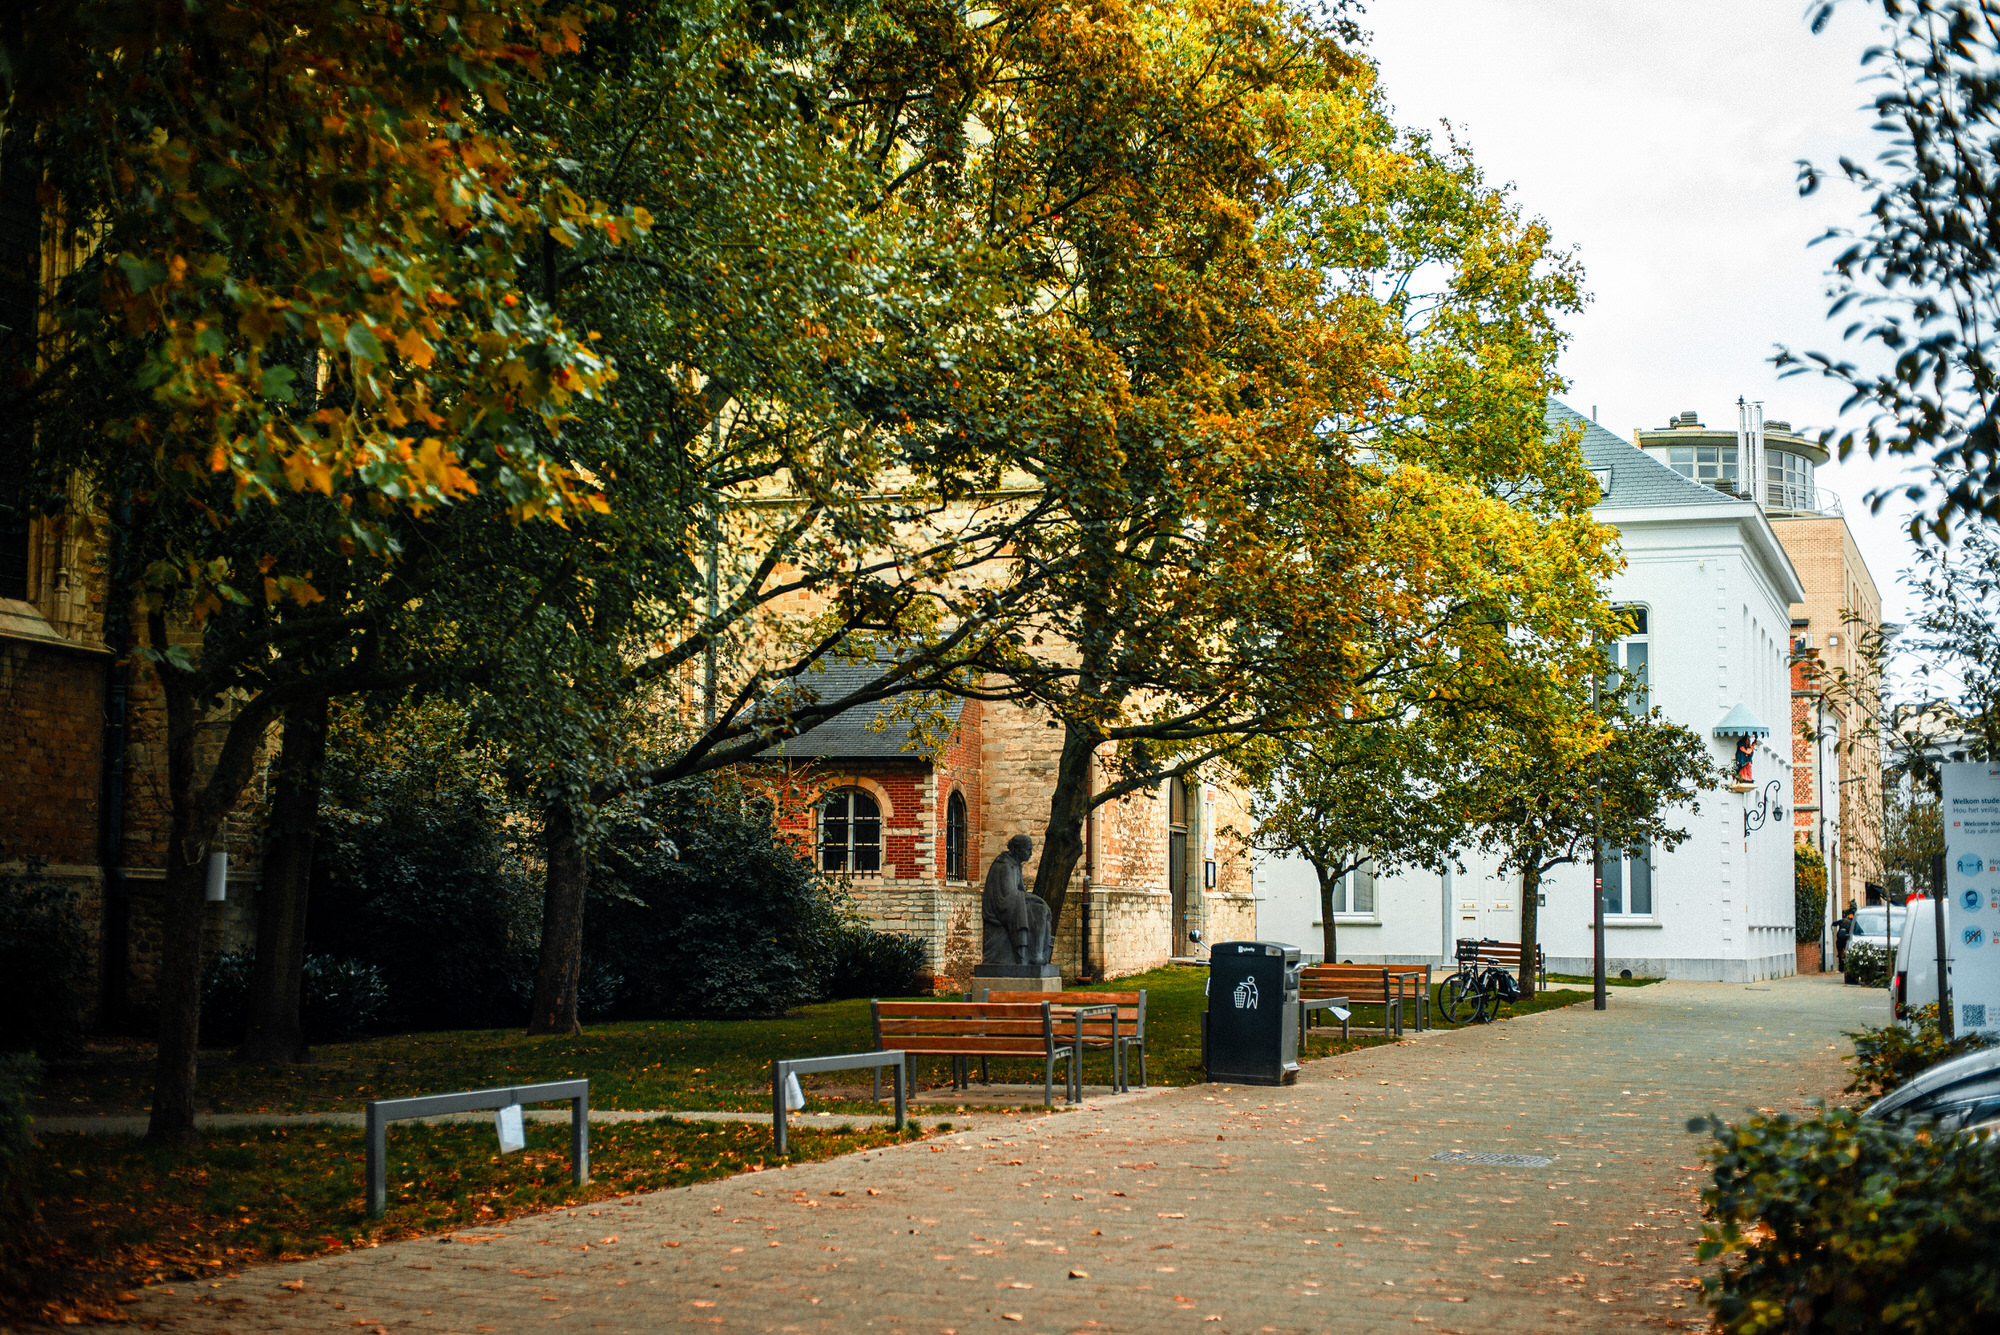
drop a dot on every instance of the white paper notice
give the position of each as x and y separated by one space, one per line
795 1098
1972 886
507 1121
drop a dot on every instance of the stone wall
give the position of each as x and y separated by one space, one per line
51 743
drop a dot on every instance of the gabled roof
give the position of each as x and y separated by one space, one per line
1637 478
867 732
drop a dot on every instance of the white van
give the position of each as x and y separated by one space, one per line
1972 963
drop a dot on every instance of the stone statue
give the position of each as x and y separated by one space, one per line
1016 923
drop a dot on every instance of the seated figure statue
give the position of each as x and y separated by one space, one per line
1016 930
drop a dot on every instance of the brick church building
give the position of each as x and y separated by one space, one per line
910 835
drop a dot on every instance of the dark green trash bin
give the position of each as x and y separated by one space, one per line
1253 996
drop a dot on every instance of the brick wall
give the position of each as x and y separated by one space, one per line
1837 582
51 737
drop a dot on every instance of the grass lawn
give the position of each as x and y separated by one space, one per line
117 1215
657 1065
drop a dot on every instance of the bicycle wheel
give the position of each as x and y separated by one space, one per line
1485 998
1459 999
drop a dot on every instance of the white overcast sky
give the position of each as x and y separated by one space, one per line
1660 139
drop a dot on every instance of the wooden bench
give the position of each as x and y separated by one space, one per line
1098 1030
1361 984
1507 955
965 1029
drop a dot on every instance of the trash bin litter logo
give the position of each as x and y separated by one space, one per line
1246 995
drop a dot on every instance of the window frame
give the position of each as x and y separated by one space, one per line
1346 891
1721 463
852 794
1645 855
957 833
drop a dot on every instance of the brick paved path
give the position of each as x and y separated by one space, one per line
1312 1208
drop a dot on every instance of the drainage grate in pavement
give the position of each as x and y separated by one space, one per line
1496 1160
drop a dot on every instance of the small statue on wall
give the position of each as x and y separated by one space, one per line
1746 752
1016 923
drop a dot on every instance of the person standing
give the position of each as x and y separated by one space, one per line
1843 931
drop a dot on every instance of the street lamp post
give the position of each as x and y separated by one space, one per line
1596 879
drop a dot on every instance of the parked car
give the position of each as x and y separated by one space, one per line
1962 1094
1878 925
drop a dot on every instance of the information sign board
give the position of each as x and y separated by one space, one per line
1972 886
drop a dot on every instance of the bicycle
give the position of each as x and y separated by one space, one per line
1477 991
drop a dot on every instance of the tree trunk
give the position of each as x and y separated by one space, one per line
275 1033
1328 931
564 887
1531 902
1069 805
172 1121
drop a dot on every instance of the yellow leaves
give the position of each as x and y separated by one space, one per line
306 471
412 347
438 469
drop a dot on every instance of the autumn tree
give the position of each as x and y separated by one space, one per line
1243 279
287 330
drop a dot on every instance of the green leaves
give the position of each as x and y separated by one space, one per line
1834 1224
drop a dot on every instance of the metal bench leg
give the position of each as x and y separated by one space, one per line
1049 1081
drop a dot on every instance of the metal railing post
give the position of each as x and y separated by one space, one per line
378 1167
579 1136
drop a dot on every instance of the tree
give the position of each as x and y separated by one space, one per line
1364 793
1954 639
288 335
1242 278
1565 776
1912 833
1918 287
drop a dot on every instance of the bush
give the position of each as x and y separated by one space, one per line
416 876
738 924
1889 1057
18 1073
341 998
1835 1224
1808 893
1866 963
868 963
46 967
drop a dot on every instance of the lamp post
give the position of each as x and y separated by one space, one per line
1596 878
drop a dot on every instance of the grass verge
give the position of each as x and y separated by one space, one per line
657 1065
118 1215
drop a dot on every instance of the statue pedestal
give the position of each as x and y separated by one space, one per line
1014 978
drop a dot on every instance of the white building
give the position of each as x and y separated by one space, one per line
1713 589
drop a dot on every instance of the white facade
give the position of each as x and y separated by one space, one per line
1717 588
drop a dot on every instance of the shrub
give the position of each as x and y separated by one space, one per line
416 876
341 998
1888 1057
1866 963
868 963
1808 893
1835 1224
703 908
18 1073
46 967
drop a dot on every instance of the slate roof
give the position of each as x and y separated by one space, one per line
852 735
1637 478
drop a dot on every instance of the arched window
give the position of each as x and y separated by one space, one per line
955 832
850 832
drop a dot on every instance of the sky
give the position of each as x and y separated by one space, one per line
1660 139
